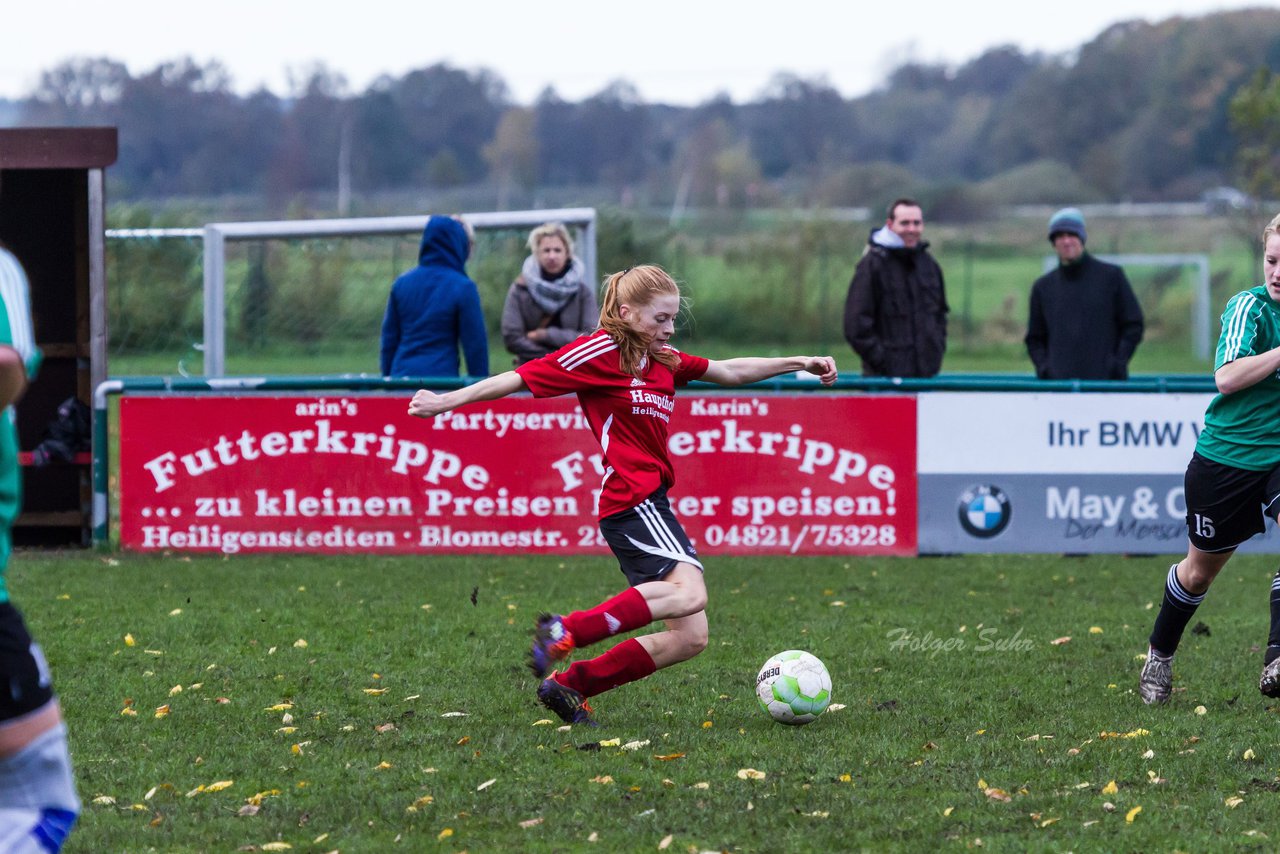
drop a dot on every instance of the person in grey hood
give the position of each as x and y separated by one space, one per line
895 316
550 303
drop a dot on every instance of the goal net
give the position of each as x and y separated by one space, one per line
290 297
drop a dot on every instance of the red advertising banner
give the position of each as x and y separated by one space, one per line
755 474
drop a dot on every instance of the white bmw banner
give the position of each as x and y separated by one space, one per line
1058 473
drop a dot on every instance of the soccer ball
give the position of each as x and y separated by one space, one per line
794 687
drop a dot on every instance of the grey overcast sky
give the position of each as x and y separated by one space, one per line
673 51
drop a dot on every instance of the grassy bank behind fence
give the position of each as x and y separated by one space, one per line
362 704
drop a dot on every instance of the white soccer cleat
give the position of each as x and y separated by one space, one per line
1156 680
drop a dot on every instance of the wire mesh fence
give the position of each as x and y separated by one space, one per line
315 306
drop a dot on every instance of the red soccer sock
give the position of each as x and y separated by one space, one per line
622 613
626 662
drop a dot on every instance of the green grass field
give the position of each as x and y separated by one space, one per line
358 704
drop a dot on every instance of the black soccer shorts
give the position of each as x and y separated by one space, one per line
1227 505
647 540
25 684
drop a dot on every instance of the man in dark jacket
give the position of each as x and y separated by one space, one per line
895 316
433 308
1085 321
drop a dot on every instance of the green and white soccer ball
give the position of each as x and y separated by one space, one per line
794 687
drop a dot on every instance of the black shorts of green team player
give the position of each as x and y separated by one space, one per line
1227 505
647 540
25 684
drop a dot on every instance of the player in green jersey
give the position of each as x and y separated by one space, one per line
38 803
1233 479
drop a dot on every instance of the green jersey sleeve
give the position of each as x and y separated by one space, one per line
15 313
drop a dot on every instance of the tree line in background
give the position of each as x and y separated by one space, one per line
1144 111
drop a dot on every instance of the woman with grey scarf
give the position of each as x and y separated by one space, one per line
550 304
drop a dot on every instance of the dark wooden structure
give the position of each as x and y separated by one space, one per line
52 217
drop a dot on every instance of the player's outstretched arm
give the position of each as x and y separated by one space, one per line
428 404
754 369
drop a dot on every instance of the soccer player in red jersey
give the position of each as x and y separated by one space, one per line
625 375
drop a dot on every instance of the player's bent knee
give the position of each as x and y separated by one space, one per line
693 601
692 643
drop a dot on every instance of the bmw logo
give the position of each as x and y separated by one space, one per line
984 511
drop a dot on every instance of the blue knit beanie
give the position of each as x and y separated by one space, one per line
1068 220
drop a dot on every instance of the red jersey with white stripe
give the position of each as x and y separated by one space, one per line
629 415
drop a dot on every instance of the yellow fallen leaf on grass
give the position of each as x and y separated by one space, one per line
486 784
1232 803
300 643
750 774
604 780
258 798
1248 755
104 800
425 800
635 745
162 711
1111 788
533 822
445 834
1060 641
997 794
543 722
212 787
1095 630
1131 815
129 641
373 692
1201 710
133 713
701 785
382 766
278 707
276 846
947 811
176 689
667 757
611 742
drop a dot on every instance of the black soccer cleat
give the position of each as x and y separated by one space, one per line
569 705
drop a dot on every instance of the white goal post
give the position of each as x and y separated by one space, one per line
217 234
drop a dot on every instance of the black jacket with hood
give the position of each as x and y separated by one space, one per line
895 316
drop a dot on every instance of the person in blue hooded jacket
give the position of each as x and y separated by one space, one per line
434 308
